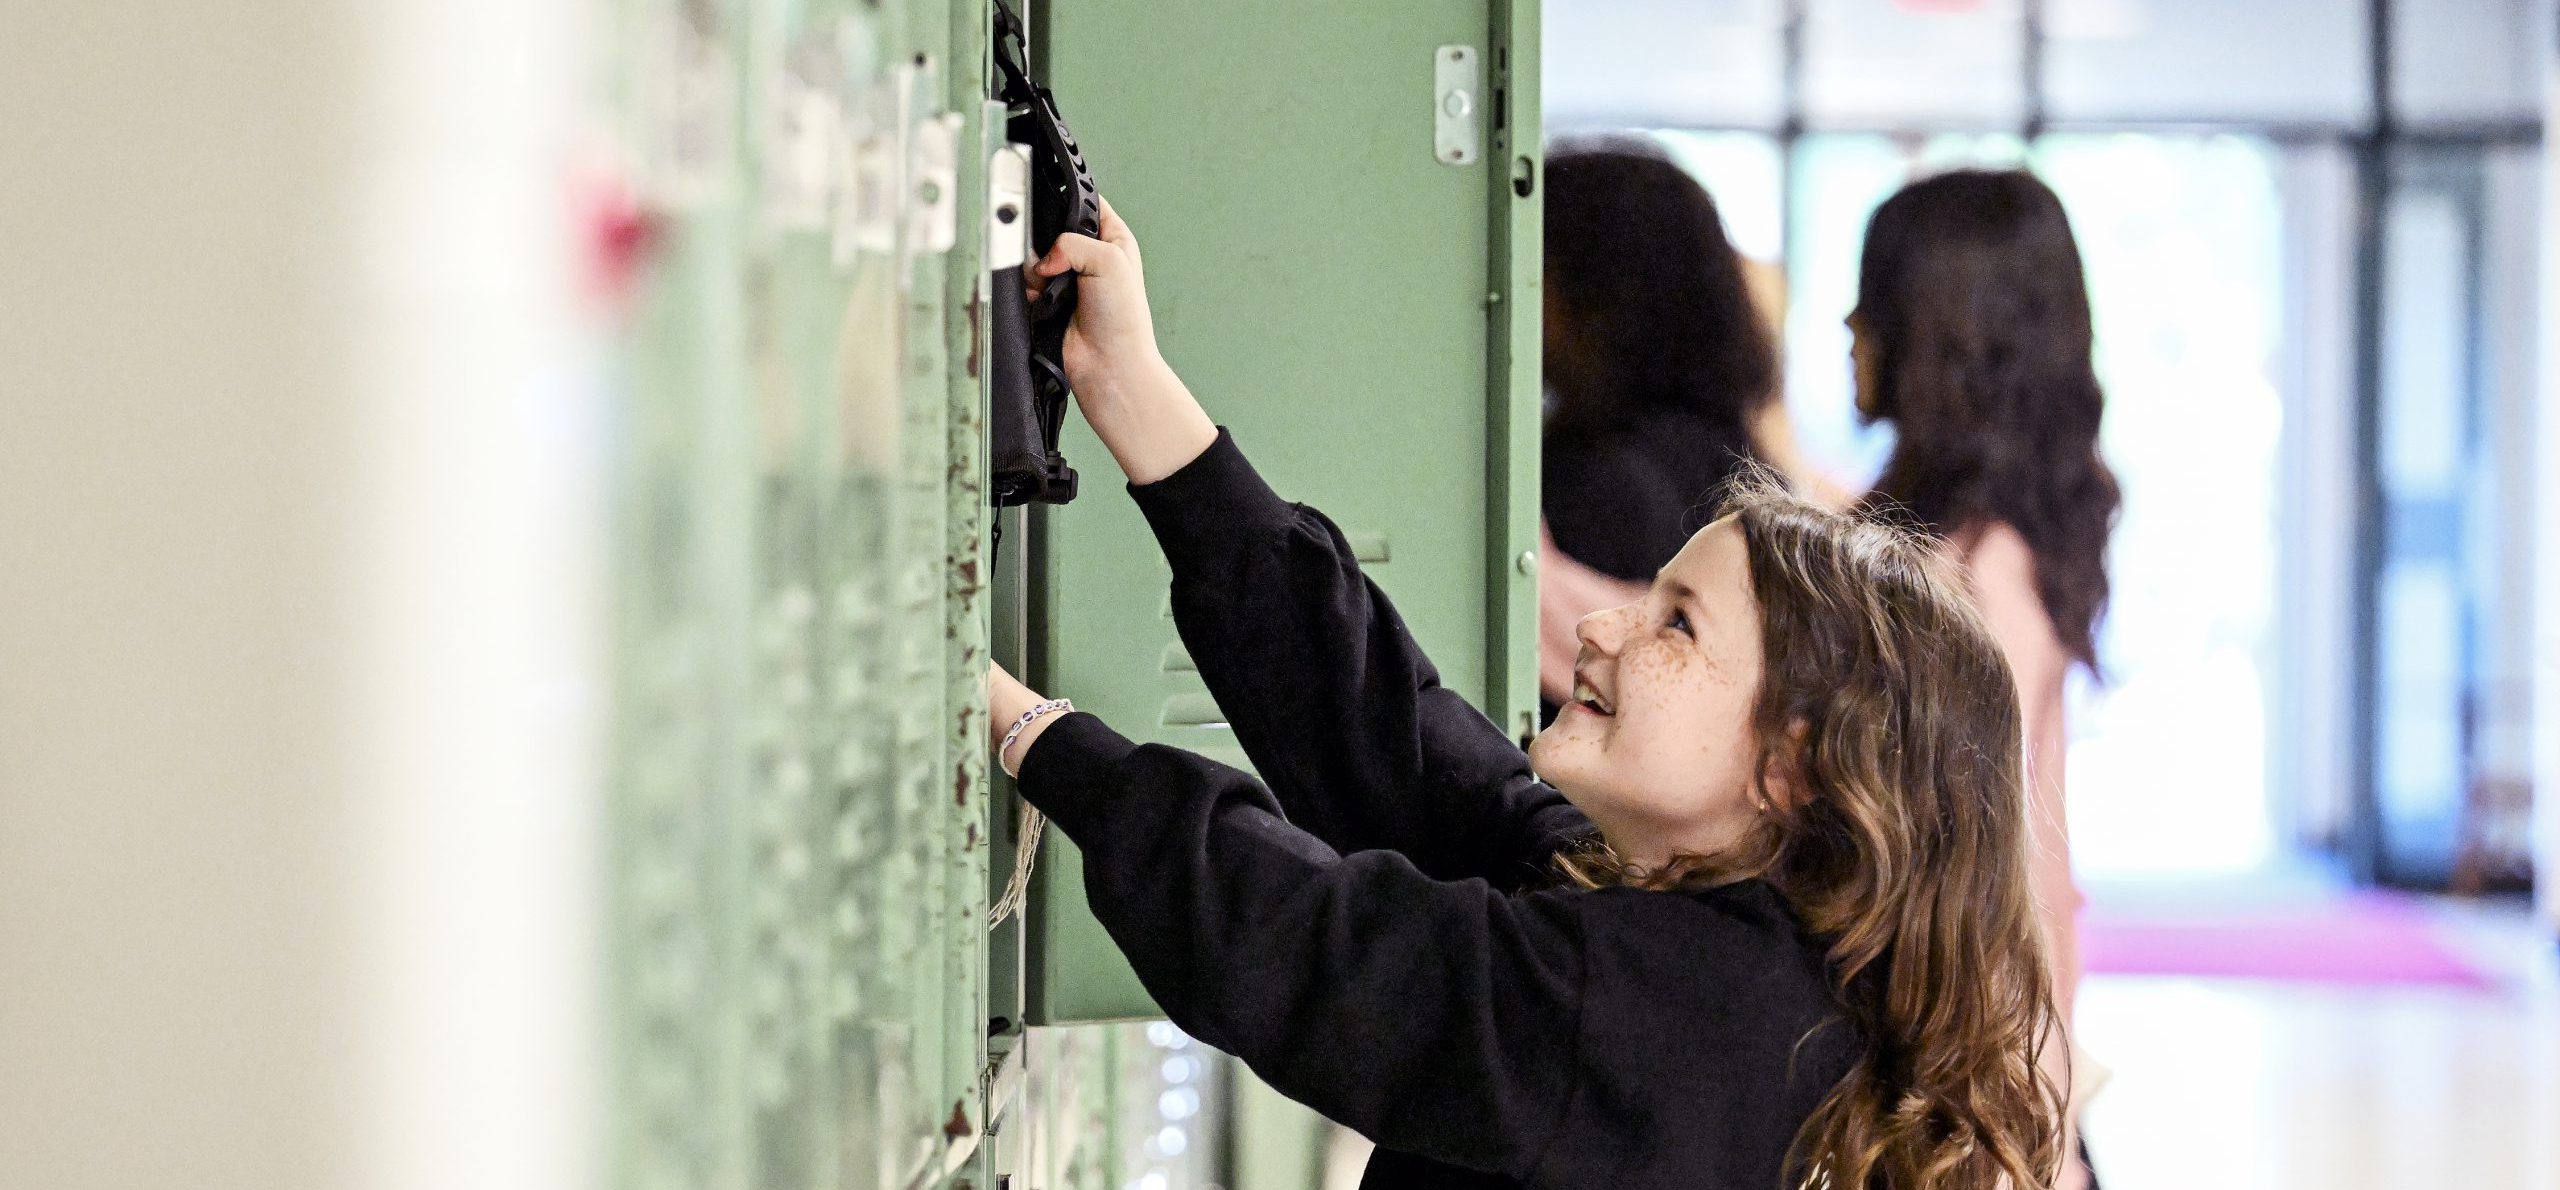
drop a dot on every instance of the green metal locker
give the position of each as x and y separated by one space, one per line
1340 216
798 802
802 842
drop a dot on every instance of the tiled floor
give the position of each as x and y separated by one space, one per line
2237 1083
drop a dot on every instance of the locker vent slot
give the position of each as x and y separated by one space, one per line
1194 710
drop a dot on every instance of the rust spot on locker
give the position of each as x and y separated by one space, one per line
970 362
969 574
958 1127
970 842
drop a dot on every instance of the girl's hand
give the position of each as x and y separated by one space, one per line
1113 338
1007 699
1138 407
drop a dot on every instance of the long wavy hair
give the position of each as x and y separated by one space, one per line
1899 840
1972 291
1649 309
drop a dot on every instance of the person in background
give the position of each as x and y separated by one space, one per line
1662 380
1972 338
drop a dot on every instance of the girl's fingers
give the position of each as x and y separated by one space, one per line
1076 253
1115 230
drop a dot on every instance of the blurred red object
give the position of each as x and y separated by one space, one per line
617 235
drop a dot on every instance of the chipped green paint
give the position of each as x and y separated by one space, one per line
796 890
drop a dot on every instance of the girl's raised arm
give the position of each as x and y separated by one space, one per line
1340 710
1326 691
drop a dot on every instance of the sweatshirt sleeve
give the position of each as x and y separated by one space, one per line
1435 1017
1327 692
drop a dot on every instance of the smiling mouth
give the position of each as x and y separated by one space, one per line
1589 699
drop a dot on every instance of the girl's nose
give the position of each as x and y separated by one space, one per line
1602 631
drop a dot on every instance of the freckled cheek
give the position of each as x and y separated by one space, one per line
1668 680
1651 663
1672 700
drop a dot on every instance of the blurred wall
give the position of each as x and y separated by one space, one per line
285 898
174 738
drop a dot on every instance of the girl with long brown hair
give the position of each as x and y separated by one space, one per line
1972 337
1752 913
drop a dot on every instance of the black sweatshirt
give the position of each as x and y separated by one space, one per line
1372 931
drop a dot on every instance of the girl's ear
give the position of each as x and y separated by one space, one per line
1781 787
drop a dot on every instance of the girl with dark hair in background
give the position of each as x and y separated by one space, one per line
1662 379
1972 337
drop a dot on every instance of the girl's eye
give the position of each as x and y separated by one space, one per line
1680 621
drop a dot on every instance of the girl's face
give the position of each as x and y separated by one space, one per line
1865 368
1657 745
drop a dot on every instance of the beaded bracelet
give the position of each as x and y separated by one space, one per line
1055 704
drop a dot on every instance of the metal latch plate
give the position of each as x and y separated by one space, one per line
934 168
1008 207
1457 91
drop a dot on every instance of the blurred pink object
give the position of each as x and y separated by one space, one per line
618 233
2363 938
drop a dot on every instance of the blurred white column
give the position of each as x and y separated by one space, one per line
2546 531
2312 744
299 529
479 444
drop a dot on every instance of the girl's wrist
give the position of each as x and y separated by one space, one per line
1125 398
1134 375
1025 730
1149 421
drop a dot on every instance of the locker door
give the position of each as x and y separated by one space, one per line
1358 304
796 882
